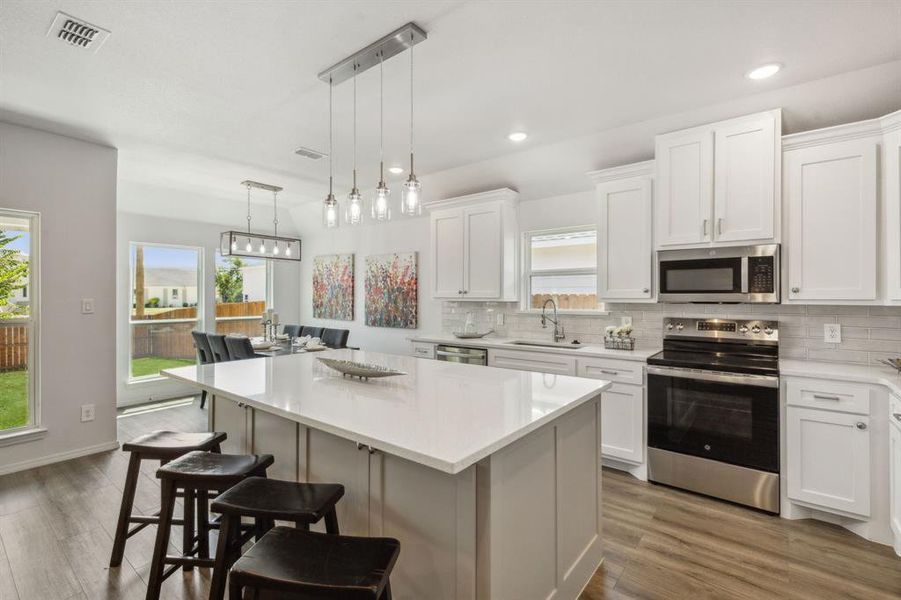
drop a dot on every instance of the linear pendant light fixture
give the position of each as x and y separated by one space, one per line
330 204
260 245
375 54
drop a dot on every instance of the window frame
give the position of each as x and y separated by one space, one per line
201 295
33 429
527 272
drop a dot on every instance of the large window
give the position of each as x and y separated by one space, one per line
562 265
18 321
242 293
166 287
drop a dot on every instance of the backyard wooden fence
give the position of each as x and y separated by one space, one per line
173 340
13 347
568 301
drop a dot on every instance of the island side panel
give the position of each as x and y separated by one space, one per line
276 436
539 503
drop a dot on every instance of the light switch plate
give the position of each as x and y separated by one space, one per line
87 413
499 319
87 306
625 320
832 333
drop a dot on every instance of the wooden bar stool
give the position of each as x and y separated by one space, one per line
162 446
268 500
316 565
198 474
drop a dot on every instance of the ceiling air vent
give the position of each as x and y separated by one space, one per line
77 32
310 153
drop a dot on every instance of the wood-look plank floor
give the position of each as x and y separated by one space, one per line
57 522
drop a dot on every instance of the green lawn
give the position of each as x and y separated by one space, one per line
13 399
151 365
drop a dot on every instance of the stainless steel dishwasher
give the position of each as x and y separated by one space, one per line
461 354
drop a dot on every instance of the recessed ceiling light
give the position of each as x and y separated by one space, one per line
518 136
396 170
764 71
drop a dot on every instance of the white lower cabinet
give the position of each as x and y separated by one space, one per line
236 420
829 460
525 360
895 468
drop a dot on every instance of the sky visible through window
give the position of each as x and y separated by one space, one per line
172 258
22 244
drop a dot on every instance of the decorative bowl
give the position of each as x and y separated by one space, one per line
356 369
894 363
470 336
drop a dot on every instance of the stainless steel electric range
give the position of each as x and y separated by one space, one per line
713 410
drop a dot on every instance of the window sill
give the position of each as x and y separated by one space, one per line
143 380
20 437
584 313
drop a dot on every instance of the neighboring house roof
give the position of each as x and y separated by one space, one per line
167 277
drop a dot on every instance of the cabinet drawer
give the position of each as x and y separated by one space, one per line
828 395
619 371
532 361
423 350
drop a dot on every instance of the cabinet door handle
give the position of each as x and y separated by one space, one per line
719 226
459 291
824 397
704 227
645 290
795 290
608 372
861 425
897 416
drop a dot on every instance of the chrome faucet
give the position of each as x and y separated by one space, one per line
559 335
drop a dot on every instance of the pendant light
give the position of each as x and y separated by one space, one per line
411 202
381 208
330 205
353 212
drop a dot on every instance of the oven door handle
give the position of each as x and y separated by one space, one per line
768 381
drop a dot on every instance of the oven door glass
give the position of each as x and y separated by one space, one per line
732 423
700 276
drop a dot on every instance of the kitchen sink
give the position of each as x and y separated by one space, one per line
569 345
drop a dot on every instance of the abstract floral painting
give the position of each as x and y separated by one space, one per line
333 287
392 290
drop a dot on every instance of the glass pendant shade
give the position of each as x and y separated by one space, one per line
330 212
381 203
411 201
353 212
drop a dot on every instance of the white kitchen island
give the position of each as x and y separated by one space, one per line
490 478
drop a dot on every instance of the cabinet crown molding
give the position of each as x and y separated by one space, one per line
891 122
502 194
836 133
639 169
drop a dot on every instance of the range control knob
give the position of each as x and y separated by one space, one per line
743 329
755 329
669 326
768 330
679 326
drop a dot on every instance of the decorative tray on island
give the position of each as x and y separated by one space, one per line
463 335
356 369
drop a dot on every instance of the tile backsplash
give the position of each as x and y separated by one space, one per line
869 333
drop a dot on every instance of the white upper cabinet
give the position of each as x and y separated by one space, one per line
625 225
891 190
684 187
831 194
473 244
745 183
719 184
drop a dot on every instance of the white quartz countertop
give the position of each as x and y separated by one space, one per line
504 343
444 415
885 376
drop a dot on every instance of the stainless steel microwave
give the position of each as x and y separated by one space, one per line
714 275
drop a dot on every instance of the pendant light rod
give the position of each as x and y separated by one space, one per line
364 59
355 128
381 120
331 154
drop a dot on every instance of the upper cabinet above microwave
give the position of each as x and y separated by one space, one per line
719 184
474 246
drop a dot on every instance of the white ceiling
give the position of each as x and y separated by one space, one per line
204 94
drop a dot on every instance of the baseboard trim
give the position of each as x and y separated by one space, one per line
58 457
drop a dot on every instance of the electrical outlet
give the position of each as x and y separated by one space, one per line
499 319
87 413
87 306
832 333
625 320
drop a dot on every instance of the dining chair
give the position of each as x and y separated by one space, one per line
239 348
204 356
292 330
335 338
311 331
219 348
